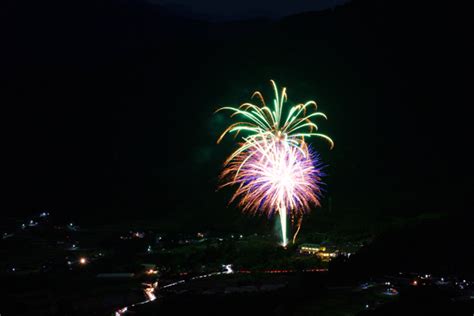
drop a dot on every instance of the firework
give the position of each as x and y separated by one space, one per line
274 177
273 167
263 121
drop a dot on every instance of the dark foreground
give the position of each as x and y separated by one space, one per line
308 294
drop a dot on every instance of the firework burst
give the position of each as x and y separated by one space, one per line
269 173
273 166
274 177
262 121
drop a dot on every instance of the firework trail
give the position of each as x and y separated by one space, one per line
273 166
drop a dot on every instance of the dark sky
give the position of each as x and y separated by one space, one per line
239 9
108 106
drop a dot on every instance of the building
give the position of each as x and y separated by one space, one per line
327 255
319 250
311 249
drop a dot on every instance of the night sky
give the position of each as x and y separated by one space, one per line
107 106
216 10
